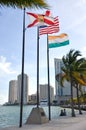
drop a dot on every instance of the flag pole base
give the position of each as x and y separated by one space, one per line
37 116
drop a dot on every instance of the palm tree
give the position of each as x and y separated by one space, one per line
24 3
70 61
78 84
80 76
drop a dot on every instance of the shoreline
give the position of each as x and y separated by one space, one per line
54 121
83 107
62 123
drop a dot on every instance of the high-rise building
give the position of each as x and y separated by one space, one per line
62 93
25 89
44 92
58 88
12 92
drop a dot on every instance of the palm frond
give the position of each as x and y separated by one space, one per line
24 3
80 80
74 67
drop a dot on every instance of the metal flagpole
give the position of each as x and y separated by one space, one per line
37 67
22 71
48 80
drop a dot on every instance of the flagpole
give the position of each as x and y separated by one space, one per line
37 67
49 109
22 71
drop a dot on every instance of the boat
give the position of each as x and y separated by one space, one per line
44 102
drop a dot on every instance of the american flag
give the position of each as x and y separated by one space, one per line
50 29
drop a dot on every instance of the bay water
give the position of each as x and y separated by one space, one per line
10 115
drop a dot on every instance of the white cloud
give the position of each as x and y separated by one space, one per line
77 22
6 74
80 3
83 51
5 67
3 98
83 1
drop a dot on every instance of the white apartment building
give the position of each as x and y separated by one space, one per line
25 89
44 92
12 92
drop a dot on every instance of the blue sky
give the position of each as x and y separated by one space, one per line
72 20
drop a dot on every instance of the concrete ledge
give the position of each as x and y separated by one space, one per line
37 116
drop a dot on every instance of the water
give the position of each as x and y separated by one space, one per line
9 115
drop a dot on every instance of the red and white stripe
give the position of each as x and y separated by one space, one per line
50 29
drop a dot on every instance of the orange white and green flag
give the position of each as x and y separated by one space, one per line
58 41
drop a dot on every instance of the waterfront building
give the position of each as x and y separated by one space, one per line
44 93
25 89
33 98
62 93
12 92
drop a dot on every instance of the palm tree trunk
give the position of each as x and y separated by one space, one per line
72 103
78 100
